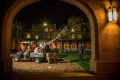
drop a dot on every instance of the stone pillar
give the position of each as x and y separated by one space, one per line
93 60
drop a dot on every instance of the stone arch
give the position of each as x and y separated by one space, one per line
18 5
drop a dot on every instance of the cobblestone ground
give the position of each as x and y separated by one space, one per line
45 67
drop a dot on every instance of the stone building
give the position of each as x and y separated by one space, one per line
105 39
47 33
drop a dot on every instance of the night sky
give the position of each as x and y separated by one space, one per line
53 12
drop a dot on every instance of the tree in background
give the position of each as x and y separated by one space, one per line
77 24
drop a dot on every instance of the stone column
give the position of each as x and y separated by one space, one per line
93 60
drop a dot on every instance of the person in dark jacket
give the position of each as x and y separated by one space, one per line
82 49
46 50
46 47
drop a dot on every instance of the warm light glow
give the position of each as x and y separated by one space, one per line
72 30
73 35
112 14
111 29
46 29
45 24
36 37
28 35
115 14
110 17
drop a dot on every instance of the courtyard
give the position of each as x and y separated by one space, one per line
69 63
45 67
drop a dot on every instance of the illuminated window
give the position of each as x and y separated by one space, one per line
73 35
36 37
73 46
46 29
66 45
79 36
28 35
59 45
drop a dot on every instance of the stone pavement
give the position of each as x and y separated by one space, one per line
66 66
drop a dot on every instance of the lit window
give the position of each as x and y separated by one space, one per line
28 35
46 29
73 35
36 37
79 36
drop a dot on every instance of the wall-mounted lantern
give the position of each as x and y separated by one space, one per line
112 14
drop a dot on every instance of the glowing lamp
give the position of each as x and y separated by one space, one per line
112 14
45 24
115 15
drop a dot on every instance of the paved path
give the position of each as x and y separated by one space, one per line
45 67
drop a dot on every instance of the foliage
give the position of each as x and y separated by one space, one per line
77 24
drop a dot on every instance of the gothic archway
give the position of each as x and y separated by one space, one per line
19 4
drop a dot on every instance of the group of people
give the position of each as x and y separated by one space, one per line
24 50
44 48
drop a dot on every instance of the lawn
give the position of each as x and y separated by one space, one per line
73 57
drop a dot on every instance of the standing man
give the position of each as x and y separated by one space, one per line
46 50
82 49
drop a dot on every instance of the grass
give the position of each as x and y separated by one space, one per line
73 57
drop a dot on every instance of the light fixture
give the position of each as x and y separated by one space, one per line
112 14
115 15
45 24
72 30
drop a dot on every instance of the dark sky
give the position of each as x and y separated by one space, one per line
55 12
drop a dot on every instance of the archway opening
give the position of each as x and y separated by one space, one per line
73 45
9 19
